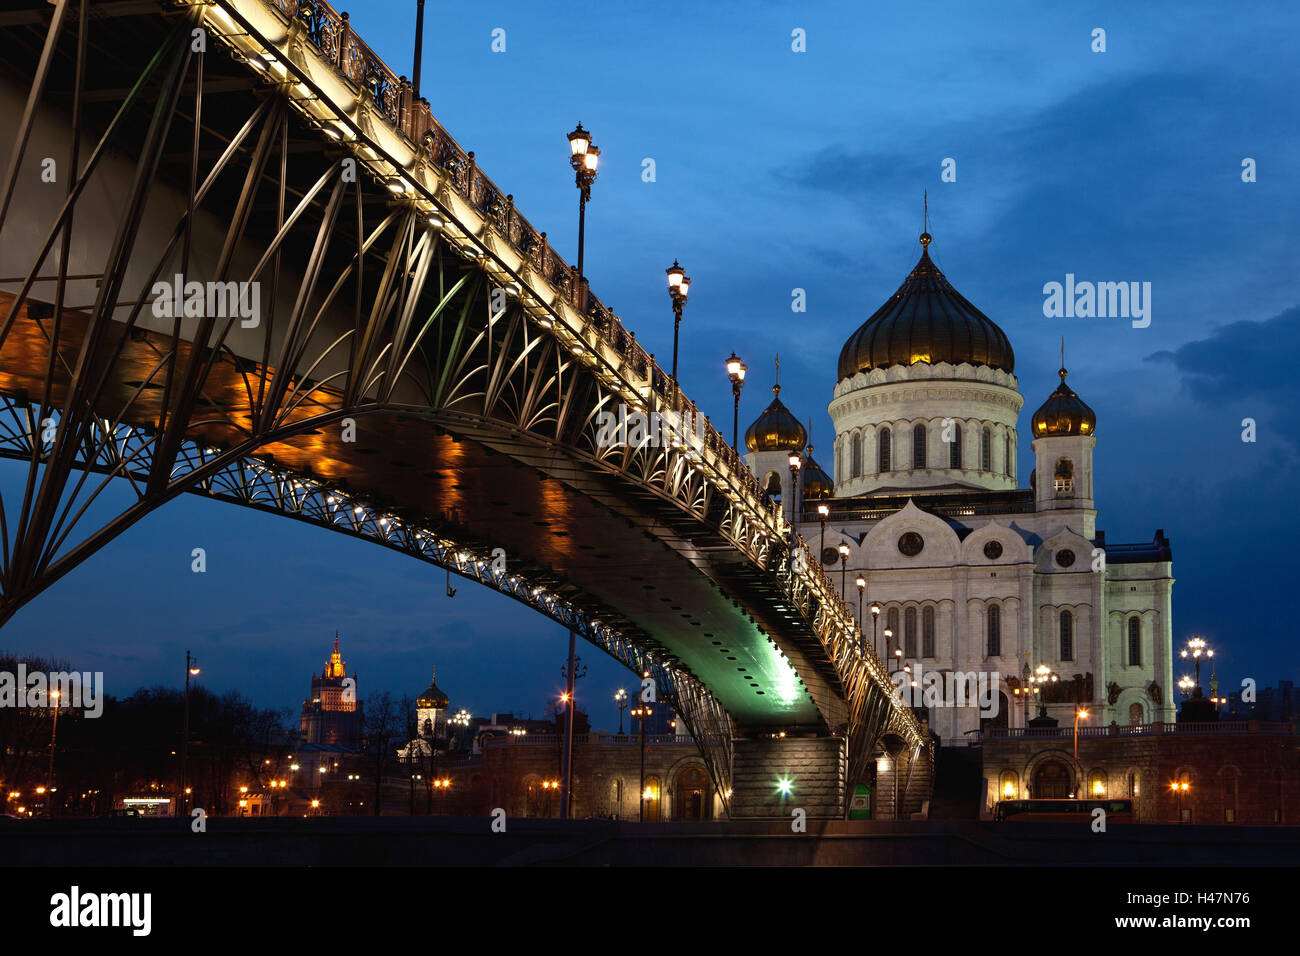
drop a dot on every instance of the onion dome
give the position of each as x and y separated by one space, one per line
433 697
776 429
816 483
1064 413
926 320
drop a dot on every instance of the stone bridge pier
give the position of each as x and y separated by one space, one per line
774 776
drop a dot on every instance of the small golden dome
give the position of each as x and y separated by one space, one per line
816 483
1064 413
776 429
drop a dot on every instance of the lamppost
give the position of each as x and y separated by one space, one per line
1079 714
679 283
823 512
795 463
1032 687
461 720
736 372
49 779
861 582
570 672
1194 650
889 637
641 713
875 622
191 670
1180 788
583 157
620 698
844 570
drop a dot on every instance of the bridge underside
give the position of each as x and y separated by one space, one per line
388 372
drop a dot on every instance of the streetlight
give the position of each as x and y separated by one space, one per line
191 670
583 157
875 621
889 638
844 569
1195 649
1079 714
861 582
795 463
641 713
1180 788
679 283
620 698
571 674
823 512
736 372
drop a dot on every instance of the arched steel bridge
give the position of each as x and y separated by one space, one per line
421 370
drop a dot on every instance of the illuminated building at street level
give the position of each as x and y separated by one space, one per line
333 714
973 573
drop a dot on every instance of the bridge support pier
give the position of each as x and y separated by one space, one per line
773 777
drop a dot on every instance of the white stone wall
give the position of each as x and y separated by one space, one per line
902 397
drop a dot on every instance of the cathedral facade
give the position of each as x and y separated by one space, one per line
953 568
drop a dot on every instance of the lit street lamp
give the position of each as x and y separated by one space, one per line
583 157
1079 714
191 670
1194 650
736 372
679 283
823 512
642 713
620 698
875 621
861 582
844 570
795 463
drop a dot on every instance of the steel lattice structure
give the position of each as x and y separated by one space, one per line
409 292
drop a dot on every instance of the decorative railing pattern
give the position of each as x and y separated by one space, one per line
1141 730
331 33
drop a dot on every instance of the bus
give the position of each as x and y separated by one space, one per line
1062 811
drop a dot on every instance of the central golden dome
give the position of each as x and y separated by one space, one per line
926 320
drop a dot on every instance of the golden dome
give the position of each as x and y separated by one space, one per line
776 429
926 320
816 483
1064 413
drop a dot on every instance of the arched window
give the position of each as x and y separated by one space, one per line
995 631
1008 785
918 446
1135 642
1135 718
1134 785
891 622
1097 784
884 450
1064 480
616 798
954 447
1007 467
909 632
986 451
1067 636
856 442
927 632
652 797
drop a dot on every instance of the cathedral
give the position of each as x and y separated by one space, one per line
952 567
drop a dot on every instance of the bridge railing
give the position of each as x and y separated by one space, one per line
330 31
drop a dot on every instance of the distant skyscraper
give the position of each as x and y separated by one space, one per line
332 715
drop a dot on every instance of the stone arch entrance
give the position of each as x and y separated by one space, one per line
1052 780
693 790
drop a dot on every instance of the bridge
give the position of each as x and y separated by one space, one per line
238 258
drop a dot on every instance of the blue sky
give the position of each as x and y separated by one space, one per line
778 170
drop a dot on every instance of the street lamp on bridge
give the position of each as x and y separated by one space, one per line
823 512
679 283
795 463
844 570
583 157
736 372
620 698
861 582
875 622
